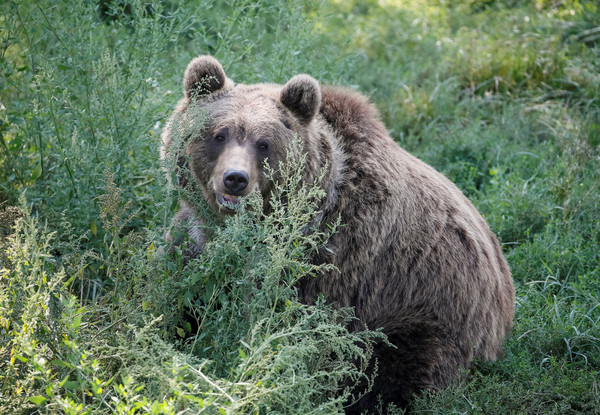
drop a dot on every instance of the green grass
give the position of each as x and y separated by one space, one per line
501 96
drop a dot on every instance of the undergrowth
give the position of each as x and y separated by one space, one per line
255 348
95 317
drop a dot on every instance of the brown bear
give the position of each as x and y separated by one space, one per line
413 257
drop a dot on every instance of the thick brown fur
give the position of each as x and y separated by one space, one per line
414 257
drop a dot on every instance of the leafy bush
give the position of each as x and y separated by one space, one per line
117 354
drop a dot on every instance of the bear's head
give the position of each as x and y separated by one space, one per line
244 129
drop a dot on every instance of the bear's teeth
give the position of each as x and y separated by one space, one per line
229 199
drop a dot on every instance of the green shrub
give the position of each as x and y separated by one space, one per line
257 349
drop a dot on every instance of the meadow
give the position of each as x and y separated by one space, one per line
501 96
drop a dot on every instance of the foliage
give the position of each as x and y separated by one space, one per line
501 96
118 354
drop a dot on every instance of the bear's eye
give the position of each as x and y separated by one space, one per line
219 138
262 146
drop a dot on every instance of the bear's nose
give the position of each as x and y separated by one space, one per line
235 180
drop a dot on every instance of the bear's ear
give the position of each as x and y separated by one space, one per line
302 96
203 76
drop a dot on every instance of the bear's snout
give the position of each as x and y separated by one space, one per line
235 181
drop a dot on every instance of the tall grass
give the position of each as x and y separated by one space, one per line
501 96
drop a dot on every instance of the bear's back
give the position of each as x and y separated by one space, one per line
411 238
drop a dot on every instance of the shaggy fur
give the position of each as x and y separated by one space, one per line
414 257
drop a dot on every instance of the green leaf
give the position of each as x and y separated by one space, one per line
36 172
72 385
150 251
21 358
38 400
76 322
62 382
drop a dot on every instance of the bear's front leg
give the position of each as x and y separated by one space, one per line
186 232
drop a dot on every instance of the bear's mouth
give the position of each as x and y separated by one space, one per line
228 201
